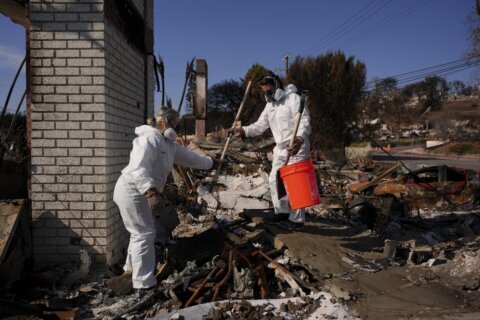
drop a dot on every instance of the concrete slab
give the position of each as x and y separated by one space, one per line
393 293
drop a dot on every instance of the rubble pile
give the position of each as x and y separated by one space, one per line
242 184
466 130
290 309
236 193
331 184
426 242
244 269
57 293
394 194
248 267
420 227
230 197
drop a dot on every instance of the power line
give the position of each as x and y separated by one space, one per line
340 28
346 26
437 72
380 25
427 68
389 20
351 27
455 71
441 72
438 69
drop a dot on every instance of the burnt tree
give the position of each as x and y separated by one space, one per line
335 83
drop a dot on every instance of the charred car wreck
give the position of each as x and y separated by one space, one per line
398 195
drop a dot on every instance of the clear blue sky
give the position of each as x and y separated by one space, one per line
390 37
12 52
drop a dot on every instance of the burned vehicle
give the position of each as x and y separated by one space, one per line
393 194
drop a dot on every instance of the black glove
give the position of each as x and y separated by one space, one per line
154 198
237 131
217 162
230 131
297 144
240 131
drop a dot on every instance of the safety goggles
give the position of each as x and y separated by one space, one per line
268 80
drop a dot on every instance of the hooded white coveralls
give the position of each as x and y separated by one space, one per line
151 160
280 117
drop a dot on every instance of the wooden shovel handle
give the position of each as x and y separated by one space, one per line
303 99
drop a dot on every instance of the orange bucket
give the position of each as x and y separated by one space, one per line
300 184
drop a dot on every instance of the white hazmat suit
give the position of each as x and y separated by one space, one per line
280 117
151 161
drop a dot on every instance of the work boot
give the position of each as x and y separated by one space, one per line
291 226
276 218
121 284
144 292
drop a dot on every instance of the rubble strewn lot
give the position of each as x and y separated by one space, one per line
381 245
378 200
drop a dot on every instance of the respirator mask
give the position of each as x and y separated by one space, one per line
276 93
171 117
170 134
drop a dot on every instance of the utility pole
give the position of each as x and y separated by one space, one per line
286 63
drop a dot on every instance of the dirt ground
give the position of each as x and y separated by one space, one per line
396 292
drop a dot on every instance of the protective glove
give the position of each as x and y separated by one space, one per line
154 198
236 131
297 144
217 162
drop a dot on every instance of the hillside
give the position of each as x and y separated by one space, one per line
457 110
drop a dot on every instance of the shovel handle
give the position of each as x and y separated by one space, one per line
303 99
237 117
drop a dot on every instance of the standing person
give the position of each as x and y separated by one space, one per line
138 190
279 115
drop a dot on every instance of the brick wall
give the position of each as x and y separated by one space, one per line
86 95
124 111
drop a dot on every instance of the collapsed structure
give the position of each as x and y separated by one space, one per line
224 262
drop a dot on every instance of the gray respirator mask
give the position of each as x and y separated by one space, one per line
277 93
274 95
170 134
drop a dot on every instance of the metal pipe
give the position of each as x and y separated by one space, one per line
4 110
239 254
227 276
262 280
200 287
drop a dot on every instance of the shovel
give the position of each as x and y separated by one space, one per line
225 147
281 192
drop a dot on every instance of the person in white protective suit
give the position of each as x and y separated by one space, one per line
279 115
138 190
